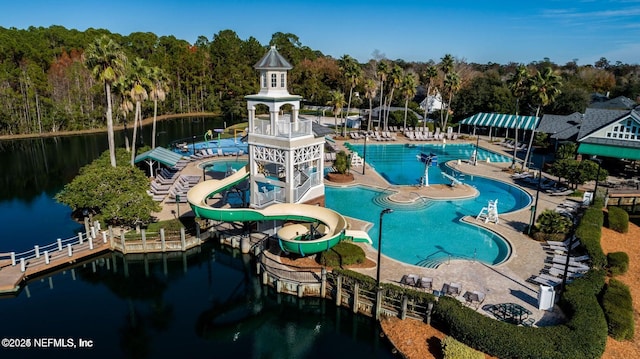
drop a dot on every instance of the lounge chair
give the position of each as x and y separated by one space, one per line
425 283
546 280
474 298
560 272
452 289
561 248
571 268
409 279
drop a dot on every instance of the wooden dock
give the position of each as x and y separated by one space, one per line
11 276
16 268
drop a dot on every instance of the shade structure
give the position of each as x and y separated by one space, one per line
160 154
609 151
500 120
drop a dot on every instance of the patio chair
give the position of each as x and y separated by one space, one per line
425 283
474 298
409 279
452 289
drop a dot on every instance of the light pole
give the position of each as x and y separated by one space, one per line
534 209
384 211
475 158
595 189
379 289
364 154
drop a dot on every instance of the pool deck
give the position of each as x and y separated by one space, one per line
502 283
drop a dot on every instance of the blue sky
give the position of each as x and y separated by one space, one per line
413 30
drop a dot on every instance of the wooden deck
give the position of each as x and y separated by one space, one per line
11 276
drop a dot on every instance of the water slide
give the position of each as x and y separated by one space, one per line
332 226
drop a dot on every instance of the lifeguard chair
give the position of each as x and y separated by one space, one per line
489 213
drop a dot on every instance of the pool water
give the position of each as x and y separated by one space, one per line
429 232
227 145
399 166
223 166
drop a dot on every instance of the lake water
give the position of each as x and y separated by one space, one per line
207 303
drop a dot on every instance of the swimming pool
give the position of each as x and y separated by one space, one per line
399 166
429 232
227 145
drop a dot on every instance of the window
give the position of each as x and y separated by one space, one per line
274 80
282 81
627 129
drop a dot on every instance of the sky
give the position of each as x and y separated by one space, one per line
480 31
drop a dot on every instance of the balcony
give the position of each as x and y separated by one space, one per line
283 128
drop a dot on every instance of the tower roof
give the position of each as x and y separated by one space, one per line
273 60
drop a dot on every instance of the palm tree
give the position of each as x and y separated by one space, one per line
106 61
370 89
337 101
352 71
451 86
545 87
121 88
446 65
408 90
429 75
396 79
518 85
382 71
138 92
159 88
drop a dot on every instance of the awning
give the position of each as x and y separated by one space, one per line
502 120
159 154
609 151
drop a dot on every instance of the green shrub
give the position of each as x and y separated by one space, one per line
589 231
618 309
550 221
618 219
342 164
618 263
453 349
342 254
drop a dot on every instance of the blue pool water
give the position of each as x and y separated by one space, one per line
399 166
227 145
223 166
429 232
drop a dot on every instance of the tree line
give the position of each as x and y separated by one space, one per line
48 83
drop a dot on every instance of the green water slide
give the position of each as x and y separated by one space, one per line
331 225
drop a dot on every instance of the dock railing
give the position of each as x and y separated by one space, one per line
34 256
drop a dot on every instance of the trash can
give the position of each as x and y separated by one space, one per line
546 297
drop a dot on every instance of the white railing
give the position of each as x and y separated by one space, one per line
277 194
47 251
313 180
283 128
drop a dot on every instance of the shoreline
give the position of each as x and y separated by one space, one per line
146 121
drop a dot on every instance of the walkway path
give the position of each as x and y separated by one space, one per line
11 276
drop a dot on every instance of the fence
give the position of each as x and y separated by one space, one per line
349 292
